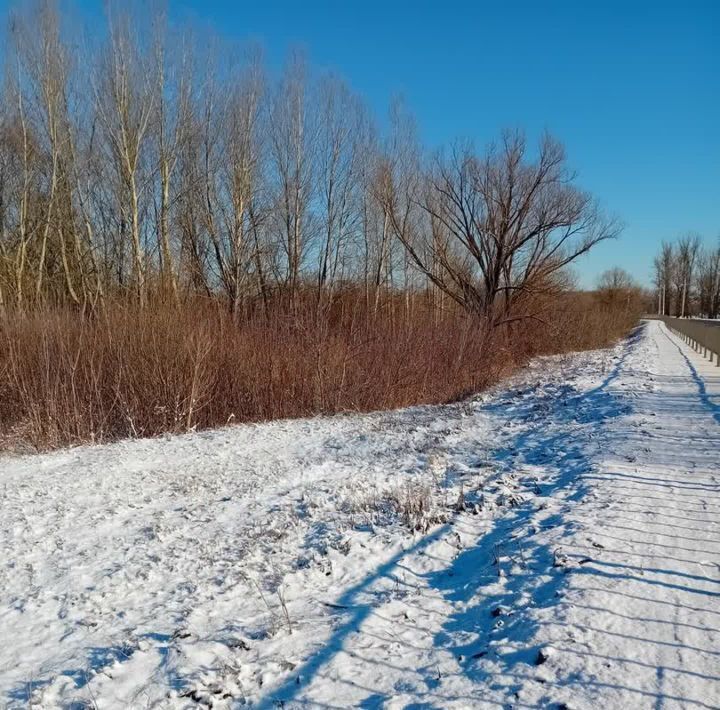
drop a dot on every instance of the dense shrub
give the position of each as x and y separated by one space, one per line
68 377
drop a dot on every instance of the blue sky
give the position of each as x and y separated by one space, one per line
632 88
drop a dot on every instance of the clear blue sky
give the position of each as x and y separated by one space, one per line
632 88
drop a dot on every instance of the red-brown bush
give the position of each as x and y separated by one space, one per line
68 378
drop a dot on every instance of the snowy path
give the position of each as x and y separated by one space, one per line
568 553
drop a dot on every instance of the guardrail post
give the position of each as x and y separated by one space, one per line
703 338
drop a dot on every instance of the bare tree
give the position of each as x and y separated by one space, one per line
617 288
125 93
495 231
377 235
339 172
708 281
292 145
664 267
239 183
397 184
174 176
7 173
23 160
44 81
170 127
685 257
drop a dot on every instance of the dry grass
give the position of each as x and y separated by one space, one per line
68 378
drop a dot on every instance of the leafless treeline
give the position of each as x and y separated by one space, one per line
687 278
158 165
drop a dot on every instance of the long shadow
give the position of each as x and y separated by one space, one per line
633 492
609 551
355 611
471 579
663 513
538 584
715 610
713 408
661 524
596 405
496 617
648 543
646 619
480 656
662 482
97 659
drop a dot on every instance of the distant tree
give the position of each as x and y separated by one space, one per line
686 254
664 267
616 287
616 279
708 282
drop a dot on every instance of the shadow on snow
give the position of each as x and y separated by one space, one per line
469 579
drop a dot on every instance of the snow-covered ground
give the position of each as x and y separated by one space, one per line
553 543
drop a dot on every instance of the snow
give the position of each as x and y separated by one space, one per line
552 543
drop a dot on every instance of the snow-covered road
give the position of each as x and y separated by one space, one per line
552 543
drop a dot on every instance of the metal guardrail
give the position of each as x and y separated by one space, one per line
702 337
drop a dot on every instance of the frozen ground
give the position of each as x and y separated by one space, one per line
565 553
